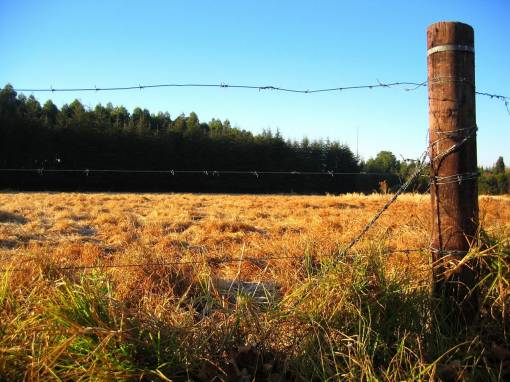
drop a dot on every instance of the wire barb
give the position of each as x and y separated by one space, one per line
456 178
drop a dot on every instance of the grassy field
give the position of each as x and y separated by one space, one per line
298 317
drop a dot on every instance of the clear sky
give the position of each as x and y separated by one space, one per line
300 44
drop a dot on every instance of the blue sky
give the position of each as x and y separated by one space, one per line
300 44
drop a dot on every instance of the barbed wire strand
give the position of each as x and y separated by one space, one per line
212 261
411 87
156 264
419 168
414 85
225 85
203 172
504 99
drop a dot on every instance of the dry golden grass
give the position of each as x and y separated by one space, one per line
77 228
43 231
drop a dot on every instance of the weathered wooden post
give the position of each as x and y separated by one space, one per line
454 189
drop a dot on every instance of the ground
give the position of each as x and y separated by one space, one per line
86 228
277 241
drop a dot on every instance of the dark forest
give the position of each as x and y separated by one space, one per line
46 138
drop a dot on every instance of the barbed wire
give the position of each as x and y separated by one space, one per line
159 264
419 168
255 173
209 261
225 85
458 178
409 86
504 99
412 85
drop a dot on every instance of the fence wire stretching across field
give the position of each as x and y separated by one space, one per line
413 86
408 86
421 164
208 261
256 173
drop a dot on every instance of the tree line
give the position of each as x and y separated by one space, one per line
494 180
110 137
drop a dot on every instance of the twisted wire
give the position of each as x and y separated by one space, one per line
457 178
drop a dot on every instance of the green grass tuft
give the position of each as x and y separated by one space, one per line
355 320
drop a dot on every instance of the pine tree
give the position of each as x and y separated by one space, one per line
499 168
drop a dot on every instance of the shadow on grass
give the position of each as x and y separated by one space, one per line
8 217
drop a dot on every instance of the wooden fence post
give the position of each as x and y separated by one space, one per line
454 188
